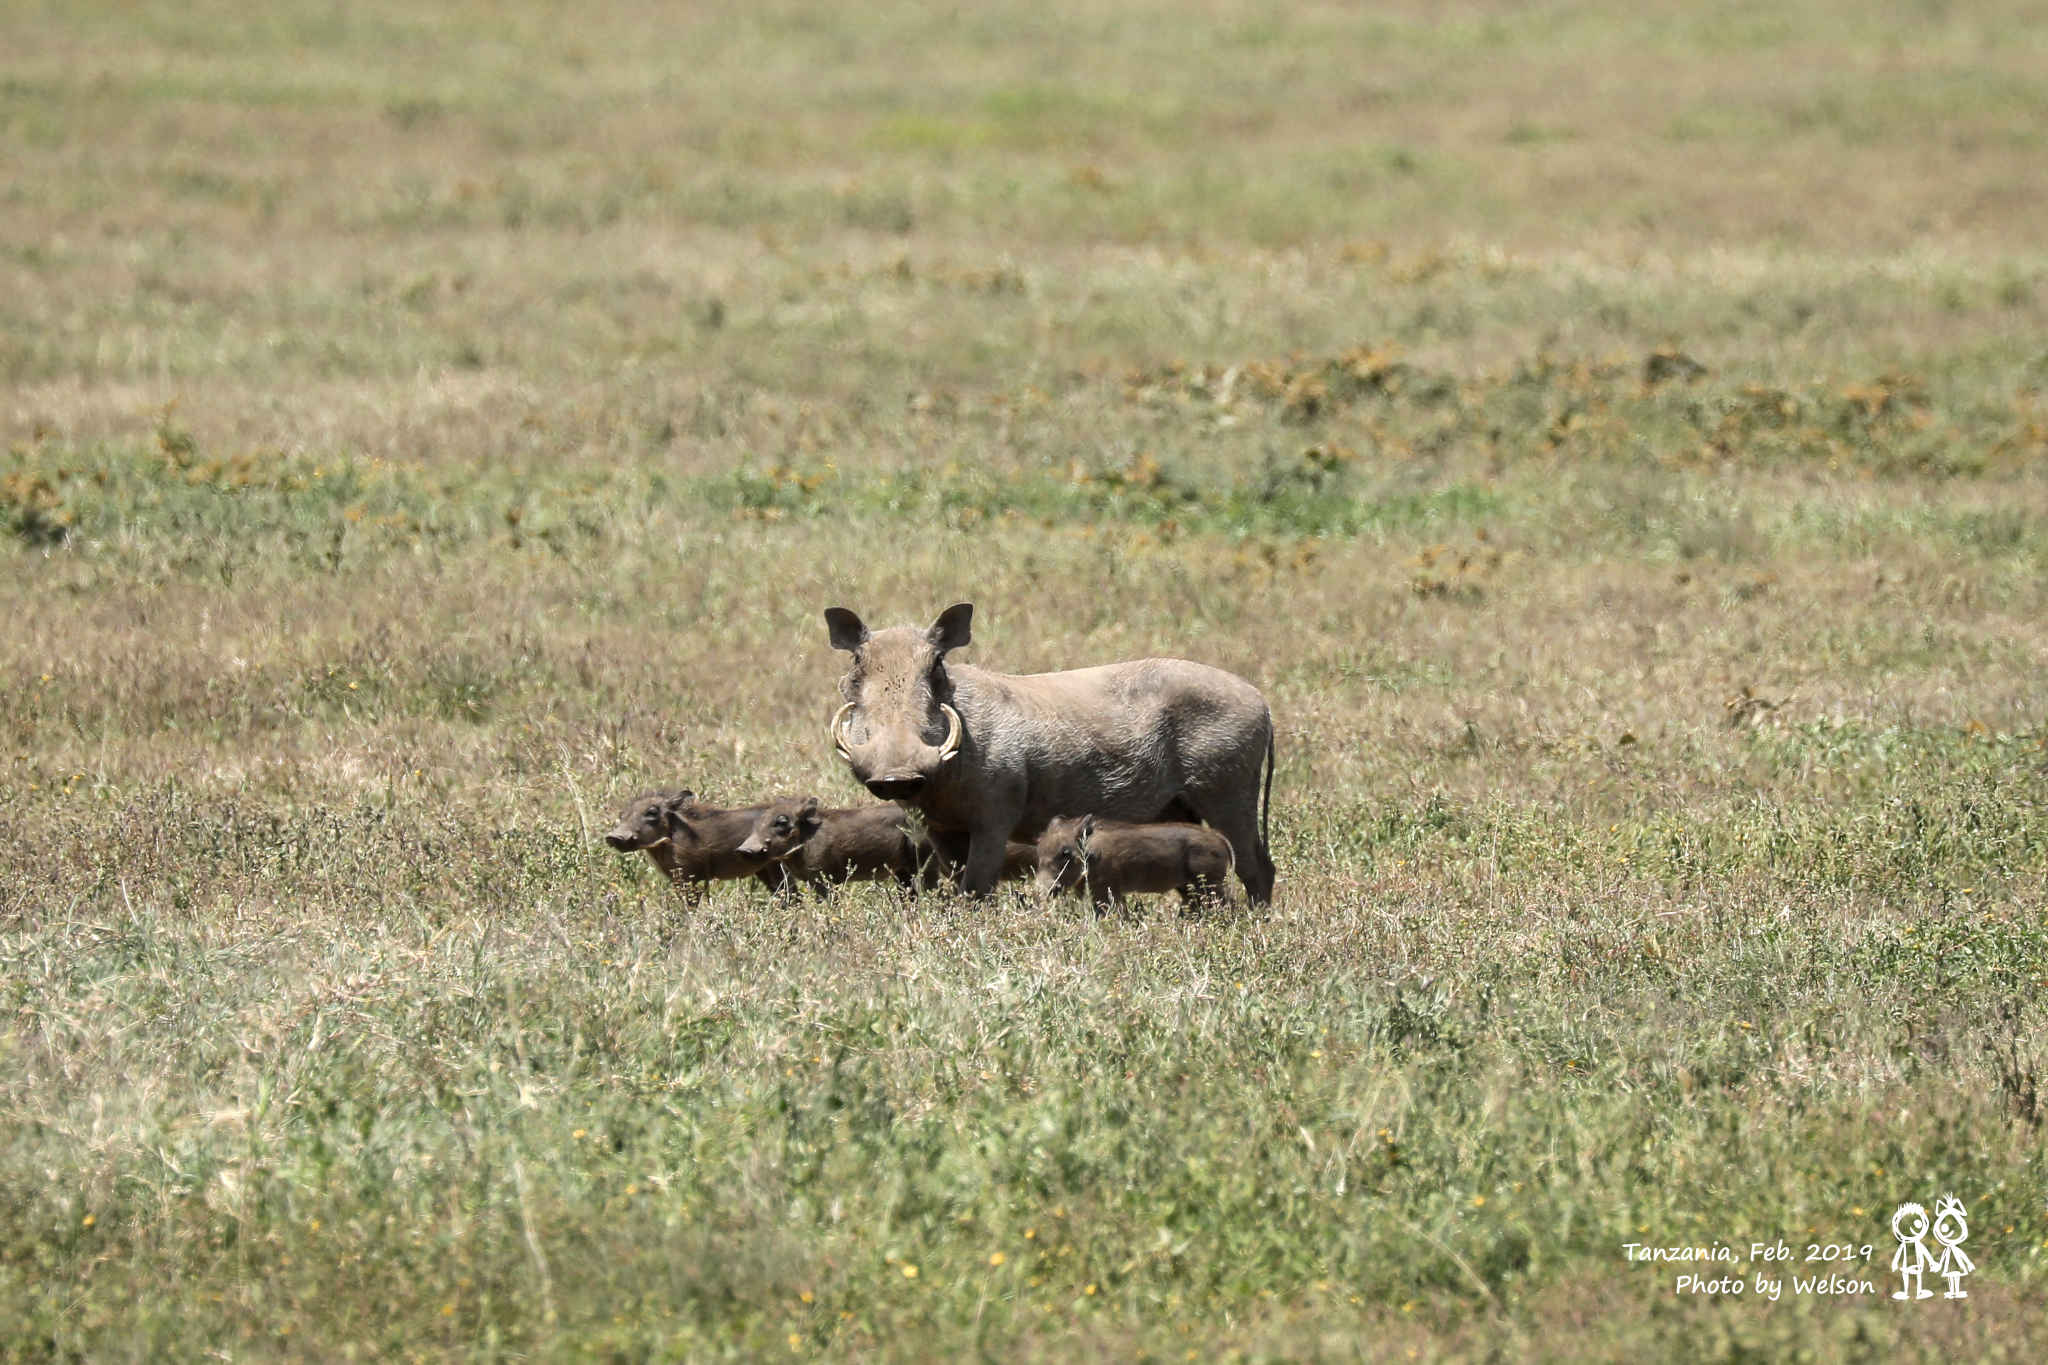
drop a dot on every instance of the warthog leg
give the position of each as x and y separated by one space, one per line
1239 823
987 844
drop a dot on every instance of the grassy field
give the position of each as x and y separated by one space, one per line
1615 438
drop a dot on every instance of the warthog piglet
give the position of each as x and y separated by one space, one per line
820 848
693 843
1115 860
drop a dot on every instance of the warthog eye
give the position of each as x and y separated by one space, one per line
782 826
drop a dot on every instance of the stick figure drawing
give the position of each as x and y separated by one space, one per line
1911 1258
1952 1229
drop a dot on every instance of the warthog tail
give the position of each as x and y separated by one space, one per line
1266 803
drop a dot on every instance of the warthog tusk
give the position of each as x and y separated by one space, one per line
952 744
839 733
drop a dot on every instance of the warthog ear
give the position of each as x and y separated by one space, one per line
1085 833
807 819
847 631
951 631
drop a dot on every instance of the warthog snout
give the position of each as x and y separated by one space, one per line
646 821
896 788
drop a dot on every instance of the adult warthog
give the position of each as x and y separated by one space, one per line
998 756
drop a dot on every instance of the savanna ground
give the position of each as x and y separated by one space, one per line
1614 438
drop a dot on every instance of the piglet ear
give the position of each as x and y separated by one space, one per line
1087 830
951 630
847 631
808 820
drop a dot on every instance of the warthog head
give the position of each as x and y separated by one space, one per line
782 828
1063 854
897 729
648 820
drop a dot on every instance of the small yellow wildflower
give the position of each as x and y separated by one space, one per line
997 1258
909 1272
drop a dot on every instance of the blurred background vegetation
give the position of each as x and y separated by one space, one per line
1613 437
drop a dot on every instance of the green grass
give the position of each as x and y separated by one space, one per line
390 1059
1613 442
407 1122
